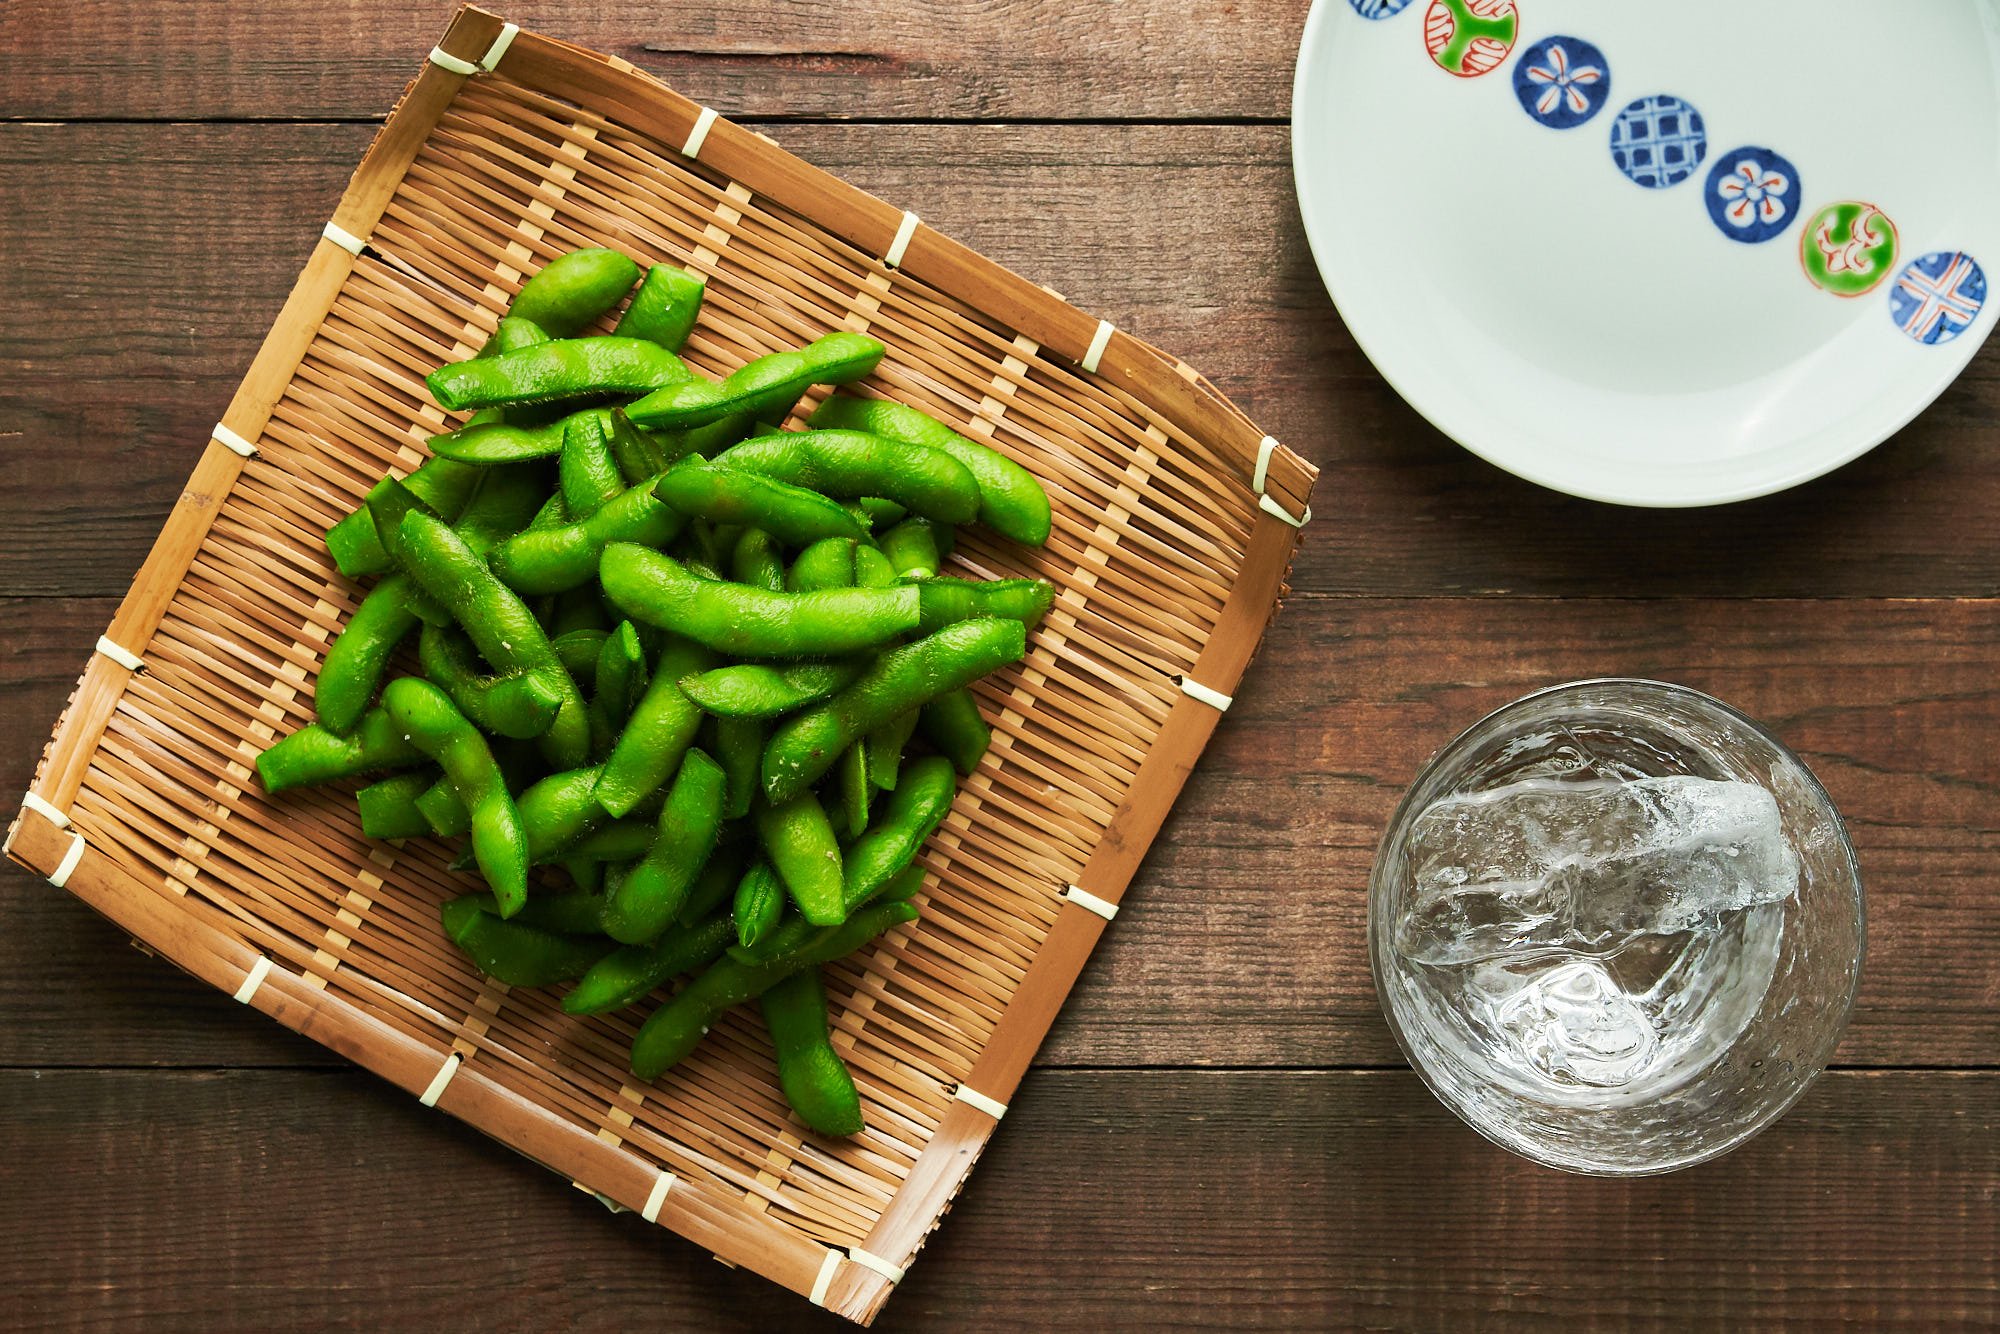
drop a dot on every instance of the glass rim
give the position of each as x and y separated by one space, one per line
1818 794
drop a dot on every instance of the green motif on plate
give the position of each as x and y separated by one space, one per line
1470 37
1848 248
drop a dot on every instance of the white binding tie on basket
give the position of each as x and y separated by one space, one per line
508 31
870 1260
657 1197
699 134
67 866
1265 449
441 1080
1083 898
31 802
444 59
343 238
124 657
827 1266
1194 689
898 247
972 1097
255 978
1098 342
233 441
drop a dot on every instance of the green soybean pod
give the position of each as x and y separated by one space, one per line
638 455
436 727
443 810
587 876
553 514
313 754
739 747
805 747
952 723
882 514
559 810
620 681
828 563
792 514
499 623
573 289
759 903
577 650
766 690
751 622
943 601
844 464
673 1030
389 807
762 386
521 705
485 444
664 308
573 914
885 748
358 656
561 368
1011 502
580 609
856 792
914 549
621 841
658 733
914 811
630 973
644 903
587 472
872 569
815 1080
798 839
755 561
717 880
440 483
555 560
515 953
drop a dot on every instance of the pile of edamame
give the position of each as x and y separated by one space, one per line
707 667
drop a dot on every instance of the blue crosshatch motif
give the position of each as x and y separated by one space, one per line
1658 141
1379 9
1938 296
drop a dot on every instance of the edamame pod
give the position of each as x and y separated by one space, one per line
763 385
760 902
517 954
828 563
664 308
916 547
638 454
486 444
389 808
798 839
315 755
815 1080
573 289
906 678
442 809
916 808
952 722
751 622
499 623
555 560
885 748
943 601
791 514
572 914
929 482
755 561
739 748
628 975
358 656
440 483
645 901
520 705
561 368
657 735
436 727
760 690
1011 502
587 472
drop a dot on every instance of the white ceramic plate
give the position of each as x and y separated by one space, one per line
1643 307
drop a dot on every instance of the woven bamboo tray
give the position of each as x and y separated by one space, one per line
1174 529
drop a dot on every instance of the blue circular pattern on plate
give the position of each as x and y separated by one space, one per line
1658 141
1379 9
1562 82
1938 296
1753 194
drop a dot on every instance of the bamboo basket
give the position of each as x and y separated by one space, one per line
1175 523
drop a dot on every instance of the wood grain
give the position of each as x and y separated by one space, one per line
877 59
152 342
1241 942
254 1199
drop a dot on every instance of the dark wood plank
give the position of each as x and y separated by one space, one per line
1184 234
942 59
247 1200
1243 941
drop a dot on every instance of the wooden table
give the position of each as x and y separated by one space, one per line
1221 1131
